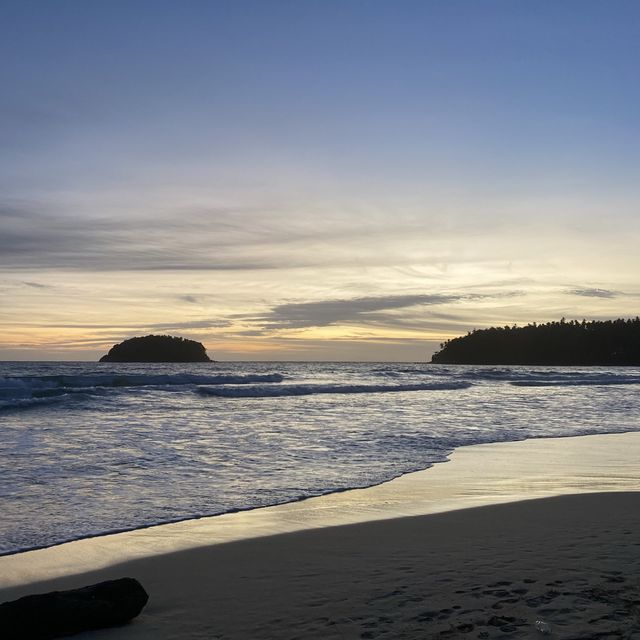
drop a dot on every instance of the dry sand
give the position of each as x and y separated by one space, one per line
486 572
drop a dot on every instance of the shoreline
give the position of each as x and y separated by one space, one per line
322 496
474 475
500 538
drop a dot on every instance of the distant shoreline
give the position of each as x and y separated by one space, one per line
609 343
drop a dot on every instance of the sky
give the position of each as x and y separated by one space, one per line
313 179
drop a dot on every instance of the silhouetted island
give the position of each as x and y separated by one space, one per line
157 349
568 343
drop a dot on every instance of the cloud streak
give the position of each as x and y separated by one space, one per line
138 327
588 292
179 237
362 310
174 236
212 240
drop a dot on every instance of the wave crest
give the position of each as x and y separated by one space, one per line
34 387
258 391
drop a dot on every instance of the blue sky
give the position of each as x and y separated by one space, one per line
205 167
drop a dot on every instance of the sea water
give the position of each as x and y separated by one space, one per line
91 448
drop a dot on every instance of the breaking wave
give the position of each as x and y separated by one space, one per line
19 391
312 389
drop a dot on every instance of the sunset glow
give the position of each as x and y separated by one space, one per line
323 181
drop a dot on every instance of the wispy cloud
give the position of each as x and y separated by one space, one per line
590 292
363 310
190 324
137 327
179 236
192 240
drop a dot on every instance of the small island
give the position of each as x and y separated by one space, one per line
157 349
563 343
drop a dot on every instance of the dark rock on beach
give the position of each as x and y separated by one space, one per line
62 613
157 349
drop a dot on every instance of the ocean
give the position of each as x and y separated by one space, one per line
93 448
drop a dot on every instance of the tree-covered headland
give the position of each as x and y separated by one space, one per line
569 343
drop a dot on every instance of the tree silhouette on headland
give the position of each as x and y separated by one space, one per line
609 342
157 349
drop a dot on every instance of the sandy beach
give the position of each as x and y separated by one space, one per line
569 561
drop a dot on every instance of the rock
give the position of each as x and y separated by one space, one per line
543 627
157 349
62 613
